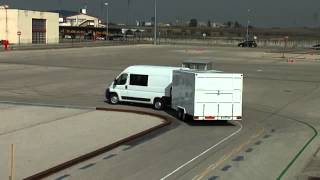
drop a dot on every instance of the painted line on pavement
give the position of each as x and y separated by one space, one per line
204 152
224 158
284 171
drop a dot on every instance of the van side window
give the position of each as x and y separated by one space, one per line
138 80
122 79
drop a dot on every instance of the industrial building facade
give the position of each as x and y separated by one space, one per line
26 27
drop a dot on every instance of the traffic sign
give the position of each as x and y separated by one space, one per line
19 33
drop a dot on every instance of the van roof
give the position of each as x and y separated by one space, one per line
148 69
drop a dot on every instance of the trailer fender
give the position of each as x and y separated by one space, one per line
181 108
181 113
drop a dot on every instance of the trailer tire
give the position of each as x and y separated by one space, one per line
181 115
158 104
114 99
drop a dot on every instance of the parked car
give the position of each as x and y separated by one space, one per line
248 44
100 38
68 37
316 47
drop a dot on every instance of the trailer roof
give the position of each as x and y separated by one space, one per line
197 61
200 71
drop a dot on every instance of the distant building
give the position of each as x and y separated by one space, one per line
202 24
26 27
77 19
81 26
164 24
148 24
217 25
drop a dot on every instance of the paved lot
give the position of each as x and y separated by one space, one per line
48 136
279 97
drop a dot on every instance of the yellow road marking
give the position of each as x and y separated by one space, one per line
225 157
194 178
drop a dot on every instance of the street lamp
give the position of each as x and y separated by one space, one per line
107 24
248 22
155 23
6 7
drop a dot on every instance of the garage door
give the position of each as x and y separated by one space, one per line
39 31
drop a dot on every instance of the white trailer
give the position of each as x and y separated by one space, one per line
207 95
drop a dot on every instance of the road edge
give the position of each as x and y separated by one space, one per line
167 120
286 169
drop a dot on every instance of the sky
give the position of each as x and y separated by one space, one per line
263 13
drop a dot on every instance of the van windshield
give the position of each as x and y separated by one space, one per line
122 79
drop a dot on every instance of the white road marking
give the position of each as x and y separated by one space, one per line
204 152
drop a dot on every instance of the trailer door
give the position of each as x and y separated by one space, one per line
220 96
225 104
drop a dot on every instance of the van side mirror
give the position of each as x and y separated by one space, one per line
115 82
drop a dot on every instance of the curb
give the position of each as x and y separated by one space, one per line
69 46
167 121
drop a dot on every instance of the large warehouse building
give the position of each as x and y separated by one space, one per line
26 27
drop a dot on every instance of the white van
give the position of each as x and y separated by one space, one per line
142 84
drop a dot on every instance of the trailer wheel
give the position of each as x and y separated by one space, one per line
114 99
181 114
158 104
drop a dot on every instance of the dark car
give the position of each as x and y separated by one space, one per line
316 47
248 44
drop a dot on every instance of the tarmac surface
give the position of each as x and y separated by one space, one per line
276 138
45 136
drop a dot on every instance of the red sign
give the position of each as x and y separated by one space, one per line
19 33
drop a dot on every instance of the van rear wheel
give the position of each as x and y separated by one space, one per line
114 99
158 104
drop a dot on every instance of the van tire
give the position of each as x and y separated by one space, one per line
158 104
181 115
114 99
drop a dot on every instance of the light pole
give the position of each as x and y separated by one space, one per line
5 7
107 24
248 22
155 23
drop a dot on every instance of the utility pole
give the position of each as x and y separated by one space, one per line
128 12
155 23
248 22
107 24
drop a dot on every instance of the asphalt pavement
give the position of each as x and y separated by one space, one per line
274 140
45 136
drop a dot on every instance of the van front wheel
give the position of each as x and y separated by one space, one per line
158 104
114 99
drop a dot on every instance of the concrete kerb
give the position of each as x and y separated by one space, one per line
167 121
68 46
46 105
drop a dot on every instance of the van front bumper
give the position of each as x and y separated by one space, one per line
107 93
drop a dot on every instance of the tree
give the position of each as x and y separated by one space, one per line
228 24
193 23
315 18
237 25
209 23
